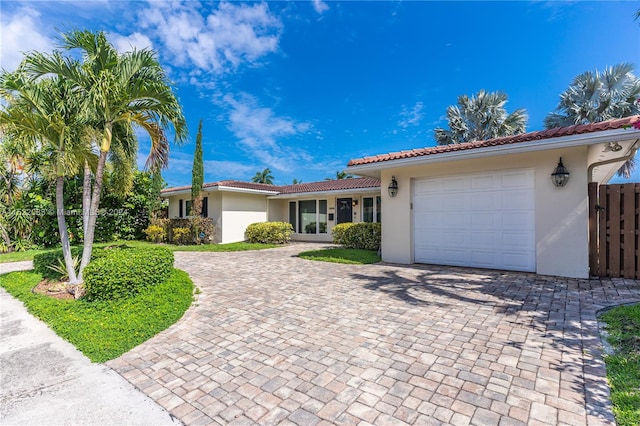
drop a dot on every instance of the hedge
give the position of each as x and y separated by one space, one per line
42 261
362 235
123 273
269 232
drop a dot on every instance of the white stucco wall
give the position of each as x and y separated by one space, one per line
239 210
561 218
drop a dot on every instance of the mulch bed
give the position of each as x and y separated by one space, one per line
55 289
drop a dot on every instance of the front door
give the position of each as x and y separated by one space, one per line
344 210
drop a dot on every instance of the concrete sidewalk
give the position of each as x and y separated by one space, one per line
45 380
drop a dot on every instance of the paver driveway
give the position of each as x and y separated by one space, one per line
274 338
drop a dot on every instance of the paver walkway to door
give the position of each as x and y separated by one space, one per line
274 339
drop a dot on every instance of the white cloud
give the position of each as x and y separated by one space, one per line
411 117
128 43
20 33
261 132
320 6
220 41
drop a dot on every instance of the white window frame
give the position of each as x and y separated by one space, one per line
297 218
375 207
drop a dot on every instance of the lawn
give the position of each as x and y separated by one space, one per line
341 255
241 246
623 367
106 330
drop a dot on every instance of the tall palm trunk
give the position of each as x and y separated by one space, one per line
64 235
86 198
93 213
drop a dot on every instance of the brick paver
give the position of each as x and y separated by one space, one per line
274 339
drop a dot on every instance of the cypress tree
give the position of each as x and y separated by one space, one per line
197 176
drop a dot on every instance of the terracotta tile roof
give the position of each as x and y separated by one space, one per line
322 186
331 185
524 137
229 184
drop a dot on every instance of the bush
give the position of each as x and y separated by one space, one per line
269 232
43 262
182 235
363 235
124 272
196 225
155 233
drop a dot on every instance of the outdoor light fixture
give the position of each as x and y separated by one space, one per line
560 175
354 203
393 187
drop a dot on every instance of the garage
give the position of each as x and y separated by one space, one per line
483 220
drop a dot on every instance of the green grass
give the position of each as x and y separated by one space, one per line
18 256
241 246
623 368
341 255
106 330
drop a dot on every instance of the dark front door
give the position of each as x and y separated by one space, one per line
344 210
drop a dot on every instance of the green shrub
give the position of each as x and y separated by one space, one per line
196 225
45 263
182 235
362 235
123 273
269 232
155 233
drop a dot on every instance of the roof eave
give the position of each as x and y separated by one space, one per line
329 192
515 148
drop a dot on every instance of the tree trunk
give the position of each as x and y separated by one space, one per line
64 236
86 198
93 213
5 237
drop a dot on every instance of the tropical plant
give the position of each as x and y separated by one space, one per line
296 181
479 117
264 176
119 91
595 96
340 175
47 113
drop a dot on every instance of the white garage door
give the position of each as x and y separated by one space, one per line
482 220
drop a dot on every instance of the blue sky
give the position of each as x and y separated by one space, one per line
302 87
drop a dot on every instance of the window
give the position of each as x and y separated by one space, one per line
292 215
307 216
372 212
322 216
188 207
205 207
311 217
367 209
180 209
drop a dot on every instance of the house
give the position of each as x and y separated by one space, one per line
494 203
313 209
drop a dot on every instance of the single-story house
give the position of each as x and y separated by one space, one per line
503 203
312 208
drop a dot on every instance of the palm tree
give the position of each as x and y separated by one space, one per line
296 181
46 114
264 176
340 175
479 117
595 96
119 91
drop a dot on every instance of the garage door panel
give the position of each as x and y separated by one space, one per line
480 183
452 184
516 179
484 220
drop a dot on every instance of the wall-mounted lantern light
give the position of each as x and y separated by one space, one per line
393 187
560 175
354 203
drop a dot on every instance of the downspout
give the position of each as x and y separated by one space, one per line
632 152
